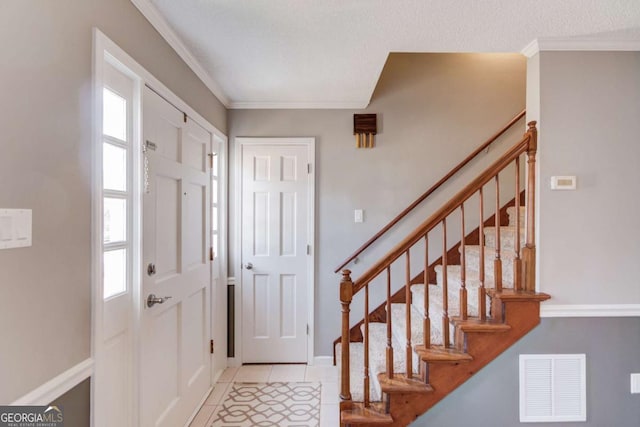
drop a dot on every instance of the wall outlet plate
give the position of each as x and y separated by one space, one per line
635 383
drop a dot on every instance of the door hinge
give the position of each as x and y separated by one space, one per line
211 342
185 117
308 249
211 255
211 156
308 167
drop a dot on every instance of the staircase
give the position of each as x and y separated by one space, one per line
449 321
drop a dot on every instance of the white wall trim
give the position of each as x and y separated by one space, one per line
298 105
57 386
323 361
590 310
158 22
583 44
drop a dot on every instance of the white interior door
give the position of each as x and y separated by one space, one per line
277 264
175 361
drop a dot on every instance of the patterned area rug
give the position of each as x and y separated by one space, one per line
270 404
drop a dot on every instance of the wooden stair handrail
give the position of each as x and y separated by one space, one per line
433 188
519 148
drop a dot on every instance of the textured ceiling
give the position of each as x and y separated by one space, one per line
329 53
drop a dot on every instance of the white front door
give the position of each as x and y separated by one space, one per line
175 360
277 261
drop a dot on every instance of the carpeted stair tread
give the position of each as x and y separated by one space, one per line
358 414
472 279
378 353
398 322
507 237
356 369
511 211
435 301
400 383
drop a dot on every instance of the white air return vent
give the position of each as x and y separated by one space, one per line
552 388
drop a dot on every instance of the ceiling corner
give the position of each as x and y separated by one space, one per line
158 22
531 49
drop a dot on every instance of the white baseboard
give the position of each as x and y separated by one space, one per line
590 310
56 387
323 361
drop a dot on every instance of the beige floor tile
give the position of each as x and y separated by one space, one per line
329 394
322 374
203 416
253 374
329 416
227 375
287 373
220 391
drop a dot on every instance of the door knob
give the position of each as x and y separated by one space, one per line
249 266
152 300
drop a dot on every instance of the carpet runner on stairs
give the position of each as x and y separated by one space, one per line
378 330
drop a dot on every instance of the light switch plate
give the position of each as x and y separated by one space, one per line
358 215
15 228
635 383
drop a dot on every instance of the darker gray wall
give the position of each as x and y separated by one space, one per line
76 405
491 399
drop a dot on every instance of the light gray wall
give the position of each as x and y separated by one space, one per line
589 243
45 117
433 109
490 398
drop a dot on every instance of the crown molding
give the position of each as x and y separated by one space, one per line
583 44
158 22
590 310
267 105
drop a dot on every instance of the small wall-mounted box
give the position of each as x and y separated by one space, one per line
15 228
563 182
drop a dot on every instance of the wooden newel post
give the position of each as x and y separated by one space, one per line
529 251
346 295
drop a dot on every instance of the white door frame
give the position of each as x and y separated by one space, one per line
105 50
310 143
219 305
